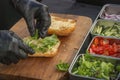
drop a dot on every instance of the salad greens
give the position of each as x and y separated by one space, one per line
42 45
118 68
35 35
62 66
97 67
107 28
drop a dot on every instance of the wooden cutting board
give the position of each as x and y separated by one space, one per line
45 68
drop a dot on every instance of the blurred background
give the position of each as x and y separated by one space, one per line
89 8
72 7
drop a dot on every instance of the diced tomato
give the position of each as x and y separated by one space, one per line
105 47
96 41
98 50
115 47
111 53
93 46
90 50
105 42
101 42
106 53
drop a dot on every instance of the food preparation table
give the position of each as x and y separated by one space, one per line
45 68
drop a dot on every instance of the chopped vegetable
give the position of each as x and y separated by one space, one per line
118 68
112 17
103 46
62 66
35 35
107 28
96 67
42 45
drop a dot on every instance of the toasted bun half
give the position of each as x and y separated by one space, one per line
61 26
46 47
50 53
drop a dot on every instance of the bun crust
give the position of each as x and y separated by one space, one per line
61 26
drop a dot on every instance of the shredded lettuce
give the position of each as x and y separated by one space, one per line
35 35
91 66
42 45
62 66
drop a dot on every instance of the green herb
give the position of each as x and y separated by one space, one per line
36 34
90 66
118 68
48 42
62 66
42 45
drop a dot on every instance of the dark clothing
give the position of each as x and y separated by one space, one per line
8 15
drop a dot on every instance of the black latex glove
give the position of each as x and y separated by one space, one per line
12 48
33 10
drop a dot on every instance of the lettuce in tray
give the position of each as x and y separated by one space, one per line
96 67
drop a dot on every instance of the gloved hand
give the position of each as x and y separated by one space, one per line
12 48
36 15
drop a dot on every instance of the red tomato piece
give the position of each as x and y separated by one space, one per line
96 41
105 47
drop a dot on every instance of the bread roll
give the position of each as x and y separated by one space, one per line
46 47
61 26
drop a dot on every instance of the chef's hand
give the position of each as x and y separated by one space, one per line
36 15
12 48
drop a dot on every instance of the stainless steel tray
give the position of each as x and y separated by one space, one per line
102 23
108 40
109 9
75 64
83 48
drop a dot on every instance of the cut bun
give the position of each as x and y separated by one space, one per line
61 26
46 47
49 53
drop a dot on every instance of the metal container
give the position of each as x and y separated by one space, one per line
85 45
107 42
74 64
110 12
108 28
